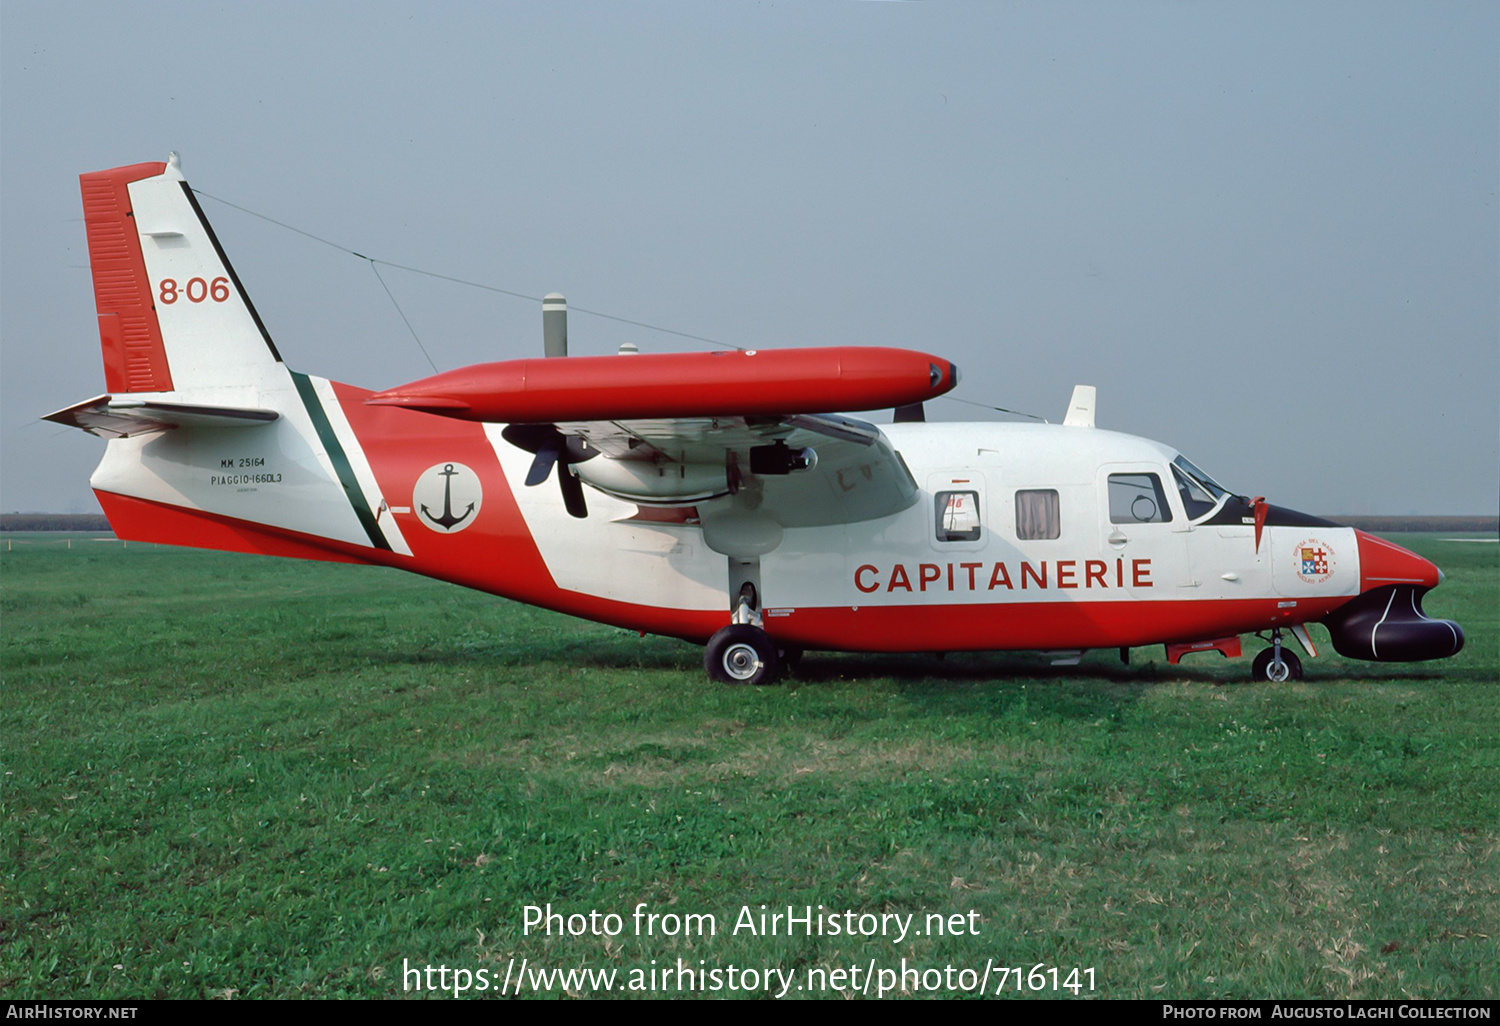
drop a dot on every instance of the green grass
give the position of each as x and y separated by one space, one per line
233 775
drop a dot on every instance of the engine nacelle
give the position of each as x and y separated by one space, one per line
655 484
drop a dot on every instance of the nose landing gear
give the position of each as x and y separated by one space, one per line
1276 664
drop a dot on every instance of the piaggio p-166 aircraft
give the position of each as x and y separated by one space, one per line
724 498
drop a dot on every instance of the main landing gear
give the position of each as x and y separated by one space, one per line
1276 664
743 653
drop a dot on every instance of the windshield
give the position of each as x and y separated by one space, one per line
1200 493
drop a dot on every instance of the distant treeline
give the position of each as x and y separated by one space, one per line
98 522
53 522
1378 525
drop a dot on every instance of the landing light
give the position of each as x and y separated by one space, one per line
780 459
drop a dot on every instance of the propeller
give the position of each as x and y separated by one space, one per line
551 446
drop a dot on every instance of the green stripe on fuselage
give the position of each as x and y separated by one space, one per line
340 460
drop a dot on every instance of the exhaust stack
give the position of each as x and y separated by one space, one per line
554 324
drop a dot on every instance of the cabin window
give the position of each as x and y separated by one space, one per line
957 516
1137 499
1037 514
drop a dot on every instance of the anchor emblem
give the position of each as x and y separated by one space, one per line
468 484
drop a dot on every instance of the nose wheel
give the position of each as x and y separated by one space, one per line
741 654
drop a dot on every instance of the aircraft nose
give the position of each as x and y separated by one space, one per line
1382 563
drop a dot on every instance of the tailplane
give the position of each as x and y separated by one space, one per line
117 417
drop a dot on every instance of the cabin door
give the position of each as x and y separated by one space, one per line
1144 536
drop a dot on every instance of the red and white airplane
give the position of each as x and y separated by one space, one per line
715 497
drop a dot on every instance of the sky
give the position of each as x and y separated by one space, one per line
1266 232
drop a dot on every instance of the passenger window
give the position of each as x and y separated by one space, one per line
1037 514
1137 499
957 516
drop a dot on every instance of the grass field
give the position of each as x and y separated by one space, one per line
236 776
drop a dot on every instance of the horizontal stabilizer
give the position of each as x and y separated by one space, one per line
116 417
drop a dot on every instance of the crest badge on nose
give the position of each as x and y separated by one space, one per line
1317 562
447 497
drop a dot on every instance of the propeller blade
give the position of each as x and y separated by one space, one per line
572 491
552 447
546 455
530 437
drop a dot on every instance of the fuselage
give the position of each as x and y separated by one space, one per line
1021 536
1037 561
713 496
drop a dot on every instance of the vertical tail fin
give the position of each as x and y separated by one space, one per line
213 441
172 312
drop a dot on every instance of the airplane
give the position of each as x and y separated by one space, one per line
725 498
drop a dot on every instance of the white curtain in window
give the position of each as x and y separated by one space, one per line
1037 514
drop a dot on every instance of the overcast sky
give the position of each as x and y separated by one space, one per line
1266 232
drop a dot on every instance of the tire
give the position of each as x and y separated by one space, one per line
741 654
1261 669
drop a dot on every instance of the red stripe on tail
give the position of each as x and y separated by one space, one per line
134 358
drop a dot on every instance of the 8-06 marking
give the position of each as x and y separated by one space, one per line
196 290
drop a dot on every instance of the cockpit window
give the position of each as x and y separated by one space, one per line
1195 500
1200 493
1211 486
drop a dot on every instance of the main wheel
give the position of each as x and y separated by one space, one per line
1265 668
741 654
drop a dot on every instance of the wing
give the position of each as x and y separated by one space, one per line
675 429
853 473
